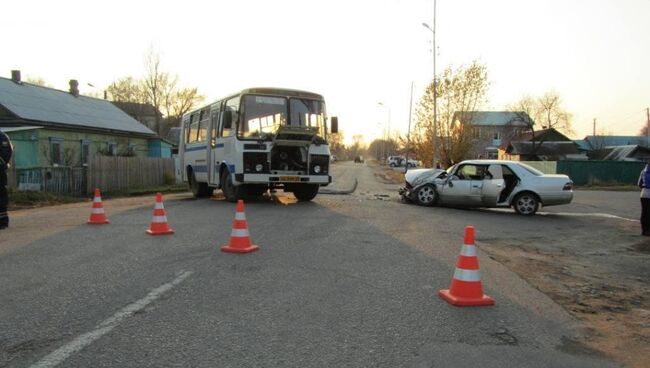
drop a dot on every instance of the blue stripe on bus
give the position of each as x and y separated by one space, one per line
190 149
219 145
200 168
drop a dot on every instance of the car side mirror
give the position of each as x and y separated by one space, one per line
334 124
213 143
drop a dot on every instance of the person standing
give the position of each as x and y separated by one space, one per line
6 150
644 184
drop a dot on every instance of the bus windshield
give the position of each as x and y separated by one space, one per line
264 114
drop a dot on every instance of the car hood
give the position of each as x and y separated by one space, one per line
419 176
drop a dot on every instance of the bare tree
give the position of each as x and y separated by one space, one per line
541 113
127 89
161 90
462 89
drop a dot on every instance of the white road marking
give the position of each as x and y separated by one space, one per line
59 355
603 215
573 214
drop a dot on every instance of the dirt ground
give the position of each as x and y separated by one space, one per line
614 307
596 286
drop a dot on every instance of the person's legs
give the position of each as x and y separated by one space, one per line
645 216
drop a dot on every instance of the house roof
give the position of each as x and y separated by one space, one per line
174 135
137 109
600 141
493 118
18 129
627 153
543 148
51 106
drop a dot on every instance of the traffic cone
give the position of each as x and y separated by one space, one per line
466 289
159 225
97 216
240 241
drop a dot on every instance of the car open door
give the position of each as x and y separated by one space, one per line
493 184
462 187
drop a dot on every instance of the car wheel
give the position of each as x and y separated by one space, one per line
198 189
305 192
426 195
526 203
231 192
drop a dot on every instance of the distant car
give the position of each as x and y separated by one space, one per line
488 183
413 163
358 159
333 159
395 161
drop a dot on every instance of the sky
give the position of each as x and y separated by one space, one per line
362 55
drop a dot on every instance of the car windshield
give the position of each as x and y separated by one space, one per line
264 114
531 169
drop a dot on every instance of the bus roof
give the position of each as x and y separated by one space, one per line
282 91
262 91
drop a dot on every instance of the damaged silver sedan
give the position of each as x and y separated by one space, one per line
488 183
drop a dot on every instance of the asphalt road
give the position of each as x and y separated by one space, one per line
346 280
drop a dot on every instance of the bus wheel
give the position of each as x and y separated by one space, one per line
305 192
231 192
198 189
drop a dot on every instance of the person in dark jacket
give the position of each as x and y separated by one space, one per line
6 150
644 184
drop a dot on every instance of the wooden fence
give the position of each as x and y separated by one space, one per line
121 173
105 172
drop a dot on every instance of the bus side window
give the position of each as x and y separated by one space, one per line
214 127
194 128
186 129
232 109
203 125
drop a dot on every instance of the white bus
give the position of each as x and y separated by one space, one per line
257 139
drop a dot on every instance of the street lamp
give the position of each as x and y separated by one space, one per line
435 91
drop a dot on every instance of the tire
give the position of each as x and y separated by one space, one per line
231 192
526 203
426 195
305 192
199 190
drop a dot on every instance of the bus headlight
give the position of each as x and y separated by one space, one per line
317 169
259 167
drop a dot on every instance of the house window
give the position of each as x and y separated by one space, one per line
111 148
130 150
476 133
56 151
497 135
85 152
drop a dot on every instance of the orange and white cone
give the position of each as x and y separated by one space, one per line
97 216
466 288
240 240
159 225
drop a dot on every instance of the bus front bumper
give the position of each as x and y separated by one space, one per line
322 180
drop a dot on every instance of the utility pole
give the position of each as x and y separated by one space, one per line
435 92
408 132
594 134
647 126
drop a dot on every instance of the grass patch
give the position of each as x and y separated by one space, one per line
134 192
30 199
